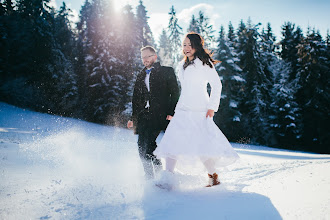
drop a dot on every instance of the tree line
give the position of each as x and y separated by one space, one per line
275 92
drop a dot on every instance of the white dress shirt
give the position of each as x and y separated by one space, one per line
146 80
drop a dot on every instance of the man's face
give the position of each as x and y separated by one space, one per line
148 58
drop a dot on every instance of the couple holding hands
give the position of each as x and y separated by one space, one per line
187 118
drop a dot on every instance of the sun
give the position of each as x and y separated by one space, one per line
119 4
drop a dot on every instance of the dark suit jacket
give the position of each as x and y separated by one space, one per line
163 96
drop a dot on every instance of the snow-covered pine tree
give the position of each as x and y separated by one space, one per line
37 43
267 47
256 95
284 110
67 95
165 48
2 9
241 39
100 61
63 32
129 60
228 117
175 33
193 26
232 38
8 6
313 92
291 39
83 46
144 31
111 58
268 39
206 30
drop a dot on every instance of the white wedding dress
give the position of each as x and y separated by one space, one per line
190 136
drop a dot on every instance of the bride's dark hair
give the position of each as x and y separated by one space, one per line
203 54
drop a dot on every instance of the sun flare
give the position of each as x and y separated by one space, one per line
119 4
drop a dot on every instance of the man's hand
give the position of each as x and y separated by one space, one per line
169 117
130 124
210 113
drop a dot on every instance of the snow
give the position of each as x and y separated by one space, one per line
89 58
238 78
287 105
60 168
236 118
290 117
291 125
230 61
233 104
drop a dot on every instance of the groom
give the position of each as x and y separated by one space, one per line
155 96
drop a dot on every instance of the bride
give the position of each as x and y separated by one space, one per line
192 134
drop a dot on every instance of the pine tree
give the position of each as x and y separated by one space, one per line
193 26
66 96
64 35
5 22
267 47
313 92
37 43
110 59
129 59
83 46
9 6
291 39
99 64
232 38
2 9
241 39
165 48
206 30
229 117
284 110
144 34
256 96
269 39
175 32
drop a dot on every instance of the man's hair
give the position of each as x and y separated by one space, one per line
150 48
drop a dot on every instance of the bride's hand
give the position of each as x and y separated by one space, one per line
210 113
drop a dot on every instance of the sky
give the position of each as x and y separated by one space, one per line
303 13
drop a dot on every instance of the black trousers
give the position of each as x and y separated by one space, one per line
148 134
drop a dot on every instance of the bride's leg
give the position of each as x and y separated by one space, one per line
170 164
209 165
213 176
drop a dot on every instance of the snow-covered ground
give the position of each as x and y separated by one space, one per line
59 168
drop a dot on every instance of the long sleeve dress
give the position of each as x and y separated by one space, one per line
190 135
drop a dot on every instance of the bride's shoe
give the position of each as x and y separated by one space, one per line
213 180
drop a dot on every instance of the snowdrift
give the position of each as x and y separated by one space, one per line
60 168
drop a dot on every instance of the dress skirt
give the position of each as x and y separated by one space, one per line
191 136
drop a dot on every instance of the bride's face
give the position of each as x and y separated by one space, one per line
187 49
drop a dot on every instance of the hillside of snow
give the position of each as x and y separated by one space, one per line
59 168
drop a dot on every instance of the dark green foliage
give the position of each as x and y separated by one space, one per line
313 93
